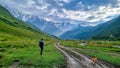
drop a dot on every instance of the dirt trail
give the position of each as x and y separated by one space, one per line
82 62
72 63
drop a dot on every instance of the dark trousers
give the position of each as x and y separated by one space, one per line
41 52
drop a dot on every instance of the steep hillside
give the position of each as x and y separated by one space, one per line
108 30
83 32
10 26
44 25
111 32
76 33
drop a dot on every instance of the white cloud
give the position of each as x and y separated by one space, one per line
48 19
41 9
66 1
30 3
44 7
52 12
61 4
118 3
99 14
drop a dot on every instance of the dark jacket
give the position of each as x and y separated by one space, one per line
41 43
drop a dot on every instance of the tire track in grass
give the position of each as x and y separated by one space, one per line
82 62
71 62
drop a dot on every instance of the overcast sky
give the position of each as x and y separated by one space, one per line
91 12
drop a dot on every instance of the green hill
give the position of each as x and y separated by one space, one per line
10 26
111 31
19 44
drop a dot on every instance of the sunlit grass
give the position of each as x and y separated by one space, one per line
28 53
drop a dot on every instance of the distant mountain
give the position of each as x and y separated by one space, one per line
52 29
78 33
108 31
111 31
45 26
31 19
66 26
12 28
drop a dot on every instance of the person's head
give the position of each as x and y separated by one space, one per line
41 39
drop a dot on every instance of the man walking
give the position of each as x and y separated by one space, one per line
41 44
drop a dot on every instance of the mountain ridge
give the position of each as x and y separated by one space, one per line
41 23
11 27
111 32
85 33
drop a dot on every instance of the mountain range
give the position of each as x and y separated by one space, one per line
11 28
111 31
66 30
53 28
108 31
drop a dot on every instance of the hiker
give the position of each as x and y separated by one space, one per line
41 44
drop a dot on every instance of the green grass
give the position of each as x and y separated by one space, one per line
28 53
103 50
19 42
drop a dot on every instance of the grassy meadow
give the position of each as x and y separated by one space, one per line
103 50
27 53
19 45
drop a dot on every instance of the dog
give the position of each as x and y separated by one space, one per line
94 59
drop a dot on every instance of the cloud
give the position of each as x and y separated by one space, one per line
89 16
66 1
74 11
